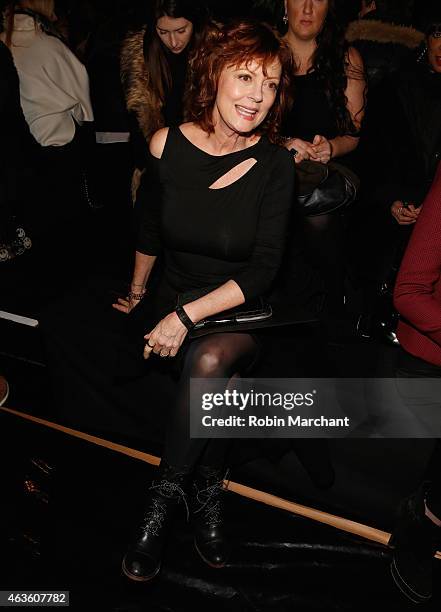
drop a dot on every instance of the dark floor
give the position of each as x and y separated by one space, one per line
68 505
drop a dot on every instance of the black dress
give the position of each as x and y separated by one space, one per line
205 237
311 112
316 258
208 236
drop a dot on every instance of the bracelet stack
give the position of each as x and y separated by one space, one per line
184 318
136 296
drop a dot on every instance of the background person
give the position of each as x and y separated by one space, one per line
323 124
417 534
54 95
154 61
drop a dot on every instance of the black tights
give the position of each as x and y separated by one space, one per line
323 242
215 356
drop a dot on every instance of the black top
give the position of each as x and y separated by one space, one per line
173 103
209 236
311 112
173 107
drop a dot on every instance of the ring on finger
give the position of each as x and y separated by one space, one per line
161 355
150 345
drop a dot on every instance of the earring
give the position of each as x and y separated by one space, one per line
285 18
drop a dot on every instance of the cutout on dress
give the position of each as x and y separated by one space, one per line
234 174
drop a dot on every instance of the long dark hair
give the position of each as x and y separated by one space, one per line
155 58
332 66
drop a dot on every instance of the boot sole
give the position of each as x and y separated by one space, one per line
405 588
213 565
138 578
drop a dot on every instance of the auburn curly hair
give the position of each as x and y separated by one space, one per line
236 43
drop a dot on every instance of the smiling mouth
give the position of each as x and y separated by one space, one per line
246 113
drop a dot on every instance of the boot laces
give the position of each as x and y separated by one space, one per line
154 518
169 489
210 504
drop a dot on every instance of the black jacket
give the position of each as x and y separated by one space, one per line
17 142
385 47
401 139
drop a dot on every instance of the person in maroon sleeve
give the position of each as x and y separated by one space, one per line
417 297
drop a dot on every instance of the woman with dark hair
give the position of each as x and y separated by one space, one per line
154 61
323 124
218 216
401 149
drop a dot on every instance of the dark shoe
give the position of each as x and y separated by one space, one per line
415 540
207 516
143 559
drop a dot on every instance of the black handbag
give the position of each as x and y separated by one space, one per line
325 188
246 315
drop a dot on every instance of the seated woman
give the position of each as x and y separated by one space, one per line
219 221
417 535
154 62
323 124
401 150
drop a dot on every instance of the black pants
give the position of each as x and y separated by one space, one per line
409 366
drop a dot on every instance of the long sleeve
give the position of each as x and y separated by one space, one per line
257 276
418 287
148 209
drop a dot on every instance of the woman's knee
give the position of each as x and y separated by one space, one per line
209 360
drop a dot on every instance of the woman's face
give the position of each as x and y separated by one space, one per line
174 32
306 17
434 52
245 95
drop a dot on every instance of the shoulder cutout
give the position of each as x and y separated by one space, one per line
157 142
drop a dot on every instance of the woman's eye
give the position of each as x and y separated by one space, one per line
245 77
273 85
182 31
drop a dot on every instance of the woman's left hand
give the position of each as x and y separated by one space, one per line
166 338
322 149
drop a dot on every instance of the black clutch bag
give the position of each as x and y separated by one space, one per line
246 315
325 188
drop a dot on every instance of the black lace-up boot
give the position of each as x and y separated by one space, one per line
143 559
207 516
415 539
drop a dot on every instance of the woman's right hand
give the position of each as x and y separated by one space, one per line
304 149
404 215
127 304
